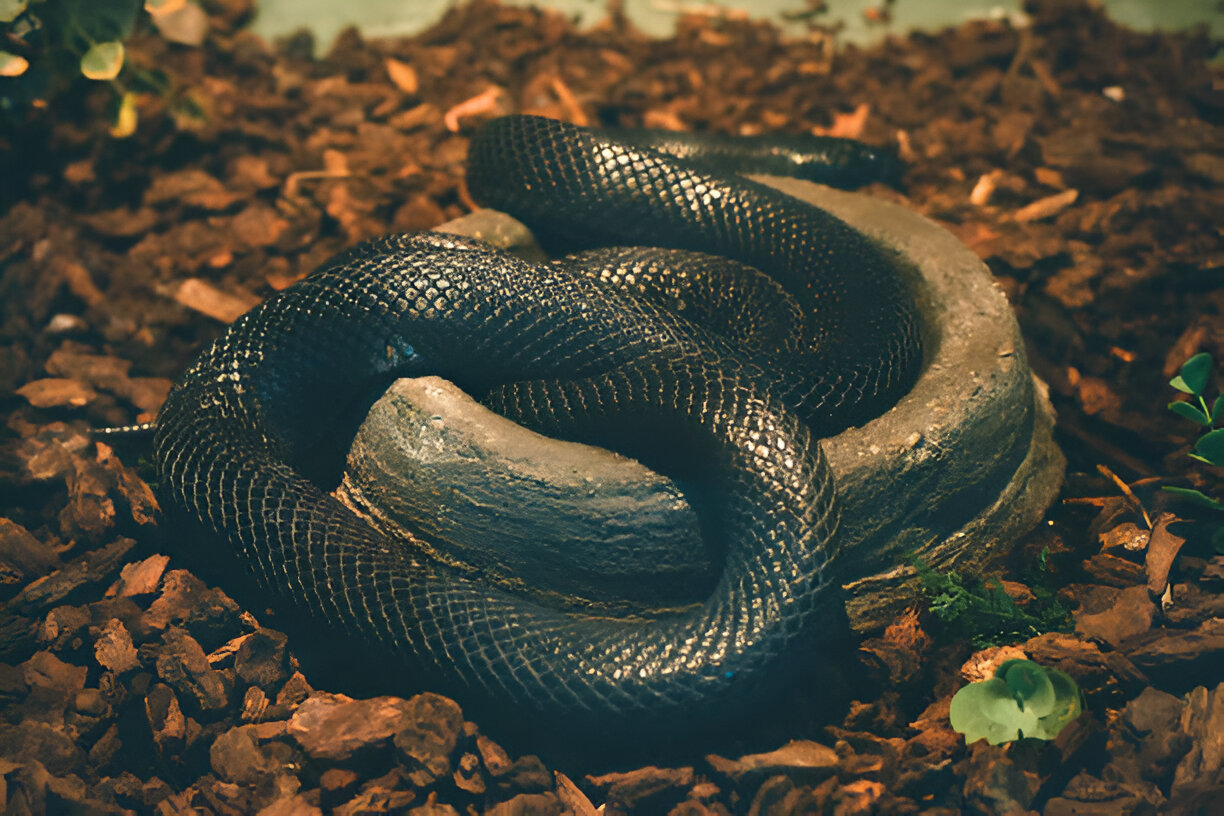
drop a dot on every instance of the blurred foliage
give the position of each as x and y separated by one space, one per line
47 45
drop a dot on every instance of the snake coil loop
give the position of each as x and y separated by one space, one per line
559 348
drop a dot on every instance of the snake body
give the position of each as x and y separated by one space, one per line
572 348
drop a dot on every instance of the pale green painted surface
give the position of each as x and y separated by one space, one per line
391 17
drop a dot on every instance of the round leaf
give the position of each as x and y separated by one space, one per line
103 60
1194 374
1190 412
1067 705
1211 446
1030 684
9 9
970 712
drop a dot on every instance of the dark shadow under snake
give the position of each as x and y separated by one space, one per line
576 349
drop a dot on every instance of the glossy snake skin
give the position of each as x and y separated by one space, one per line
572 348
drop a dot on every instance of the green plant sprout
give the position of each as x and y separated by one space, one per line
1023 699
1192 379
983 612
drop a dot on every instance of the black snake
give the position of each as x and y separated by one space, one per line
572 348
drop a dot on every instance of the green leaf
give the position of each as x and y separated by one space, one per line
1195 496
1210 446
1189 411
103 60
1217 410
1217 540
9 9
1068 705
100 20
1029 685
986 711
1023 699
1194 374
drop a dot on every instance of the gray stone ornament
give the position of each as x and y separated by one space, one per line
953 474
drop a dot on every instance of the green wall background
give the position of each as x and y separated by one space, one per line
390 17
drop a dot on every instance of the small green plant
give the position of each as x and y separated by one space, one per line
984 613
1193 379
1023 699
46 44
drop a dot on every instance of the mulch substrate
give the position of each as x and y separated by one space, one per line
1083 162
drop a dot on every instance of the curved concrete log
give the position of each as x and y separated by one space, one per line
953 473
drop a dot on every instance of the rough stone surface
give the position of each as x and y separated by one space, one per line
616 530
966 459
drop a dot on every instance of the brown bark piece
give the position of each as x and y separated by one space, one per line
23 557
1161 553
333 727
140 577
203 297
1129 616
649 788
57 392
802 760
114 650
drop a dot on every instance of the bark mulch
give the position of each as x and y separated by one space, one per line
1082 161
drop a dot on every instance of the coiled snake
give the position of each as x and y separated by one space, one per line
571 348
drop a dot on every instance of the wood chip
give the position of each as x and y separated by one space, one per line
203 297
140 577
1161 553
572 796
192 187
57 392
982 192
846 125
486 102
1047 207
81 283
403 75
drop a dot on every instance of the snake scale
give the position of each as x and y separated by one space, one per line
571 348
